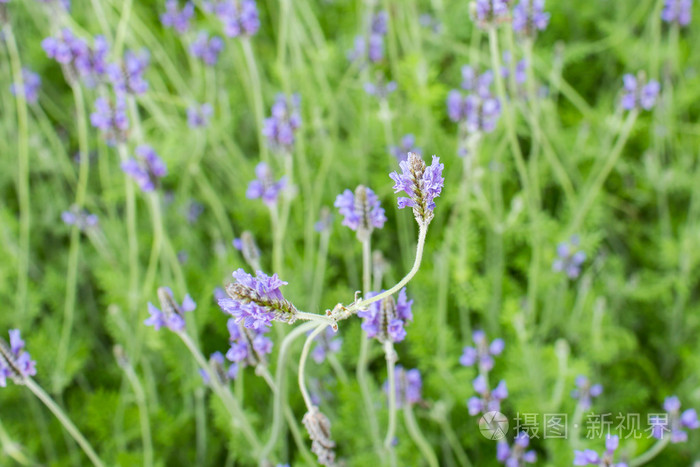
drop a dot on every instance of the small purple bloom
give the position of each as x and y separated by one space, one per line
127 77
489 12
265 187
529 17
284 122
478 113
408 384
408 144
249 347
198 115
217 365
361 210
591 457
380 89
15 362
80 218
489 400
385 319
239 17
372 48
146 169
482 352
638 94
585 392
677 11
517 455
257 301
170 314
77 57
569 259
326 343
421 183
31 85
207 49
674 421
176 18
111 119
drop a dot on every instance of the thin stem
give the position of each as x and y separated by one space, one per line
366 265
651 453
143 415
74 249
122 27
65 421
416 265
390 355
12 449
157 243
132 238
254 77
279 375
315 317
454 443
597 184
417 435
22 171
302 364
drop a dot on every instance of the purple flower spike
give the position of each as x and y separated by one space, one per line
385 320
265 187
217 366
111 119
257 301
569 260
207 49
421 183
30 89
488 400
371 50
249 347
146 169
591 457
327 343
380 89
478 112
517 455
127 77
171 314
361 211
585 392
80 218
529 17
409 386
408 144
639 94
482 352
674 422
239 17
15 362
488 13
677 11
176 18
198 115
77 57
284 122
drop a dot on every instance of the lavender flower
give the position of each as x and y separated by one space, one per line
586 392
478 114
639 94
325 220
483 352
568 259
257 301
385 319
319 428
590 457
408 386
426 20
284 122
361 211
246 245
172 314
194 210
479 83
677 11
239 17
517 455
520 68
489 400
326 343
529 17
380 89
249 347
77 57
372 48
207 49
111 119
127 77
217 366
15 362
80 218
264 187
421 183
675 422
30 89
176 18
488 13
198 115
146 168
408 144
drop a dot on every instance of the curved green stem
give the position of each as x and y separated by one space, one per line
417 435
65 421
390 355
302 364
651 453
143 415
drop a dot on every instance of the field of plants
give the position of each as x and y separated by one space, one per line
349 232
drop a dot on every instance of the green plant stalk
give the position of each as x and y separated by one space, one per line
65 421
74 249
417 436
320 270
132 237
255 85
157 218
230 402
279 375
452 439
423 230
12 449
651 453
22 173
302 364
121 28
597 183
143 415
391 358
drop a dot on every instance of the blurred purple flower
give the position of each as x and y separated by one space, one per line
80 218
15 362
482 352
146 169
380 89
111 118
361 210
326 343
385 319
170 314
77 57
518 455
569 260
489 12
529 17
370 47
637 94
127 77
487 401
677 11
591 457
198 115
31 85
265 187
239 17
217 366
585 392
249 347
478 114
285 120
207 49
176 18
674 421
408 144
409 385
